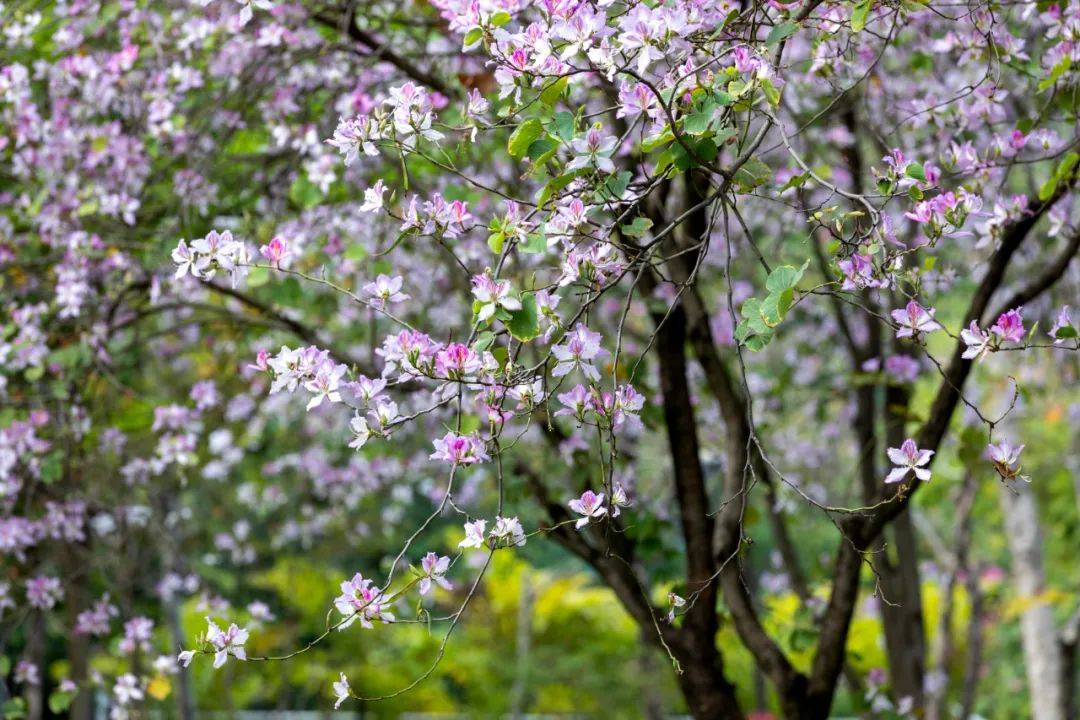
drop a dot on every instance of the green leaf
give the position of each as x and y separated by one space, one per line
771 93
304 193
248 141
551 94
14 709
654 141
775 306
752 174
698 122
534 243
523 137
542 150
615 186
484 341
258 276
564 126
784 277
638 227
915 170
1068 332
757 343
859 14
500 18
495 241
60 701
525 323
781 32
473 36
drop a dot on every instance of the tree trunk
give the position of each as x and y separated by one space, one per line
901 612
709 696
1042 651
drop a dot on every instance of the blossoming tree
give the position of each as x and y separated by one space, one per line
644 279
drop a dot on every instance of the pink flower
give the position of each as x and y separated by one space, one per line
577 401
908 458
361 600
457 361
434 568
508 531
1005 453
1009 326
275 251
459 449
914 319
579 348
590 505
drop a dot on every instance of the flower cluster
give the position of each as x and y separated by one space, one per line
205 256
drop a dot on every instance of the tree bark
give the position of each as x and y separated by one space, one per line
1042 651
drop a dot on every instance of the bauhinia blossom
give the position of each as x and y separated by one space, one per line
580 347
1006 457
590 506
385 290
914 319
908 458
492 294
226 643
275 251
978 342
434 569
508 531
342 691
1009 326
361 600
459 449
474 534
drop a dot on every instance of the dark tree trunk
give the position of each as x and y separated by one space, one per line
709 695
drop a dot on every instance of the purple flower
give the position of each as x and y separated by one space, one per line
275 251
1009 326
903 368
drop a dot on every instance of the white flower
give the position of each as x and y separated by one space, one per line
373 197
508 529
977 341
359 428
474 534
908 458
229 642
341 691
